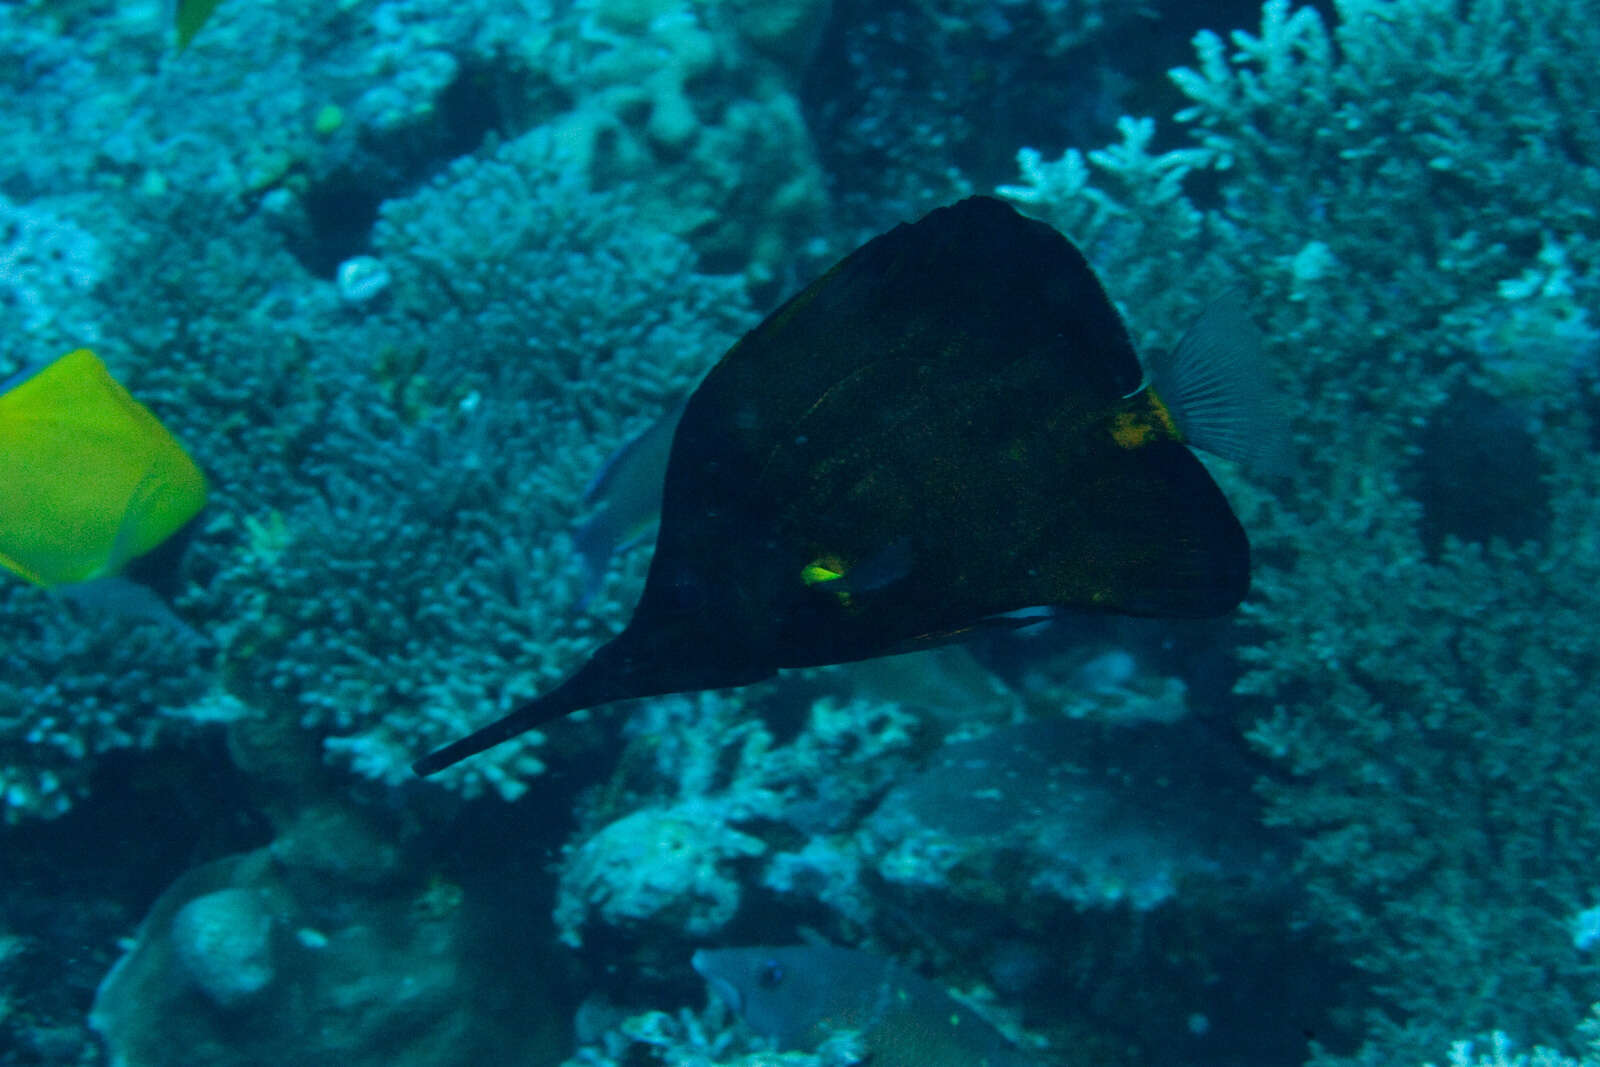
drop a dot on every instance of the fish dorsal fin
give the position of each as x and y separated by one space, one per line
914 315
941 292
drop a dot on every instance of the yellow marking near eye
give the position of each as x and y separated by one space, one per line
822 569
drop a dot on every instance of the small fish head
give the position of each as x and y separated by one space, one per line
780 992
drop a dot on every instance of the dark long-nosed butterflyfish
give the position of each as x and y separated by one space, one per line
947 428
799 995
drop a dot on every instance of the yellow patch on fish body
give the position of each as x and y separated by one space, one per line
1148 420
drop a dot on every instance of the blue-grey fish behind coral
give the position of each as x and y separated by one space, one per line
800 994
625 498
946 428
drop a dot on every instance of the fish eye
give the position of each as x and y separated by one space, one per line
770 975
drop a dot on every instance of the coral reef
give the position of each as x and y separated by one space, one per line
1502 1053
912 102
77 685
48 266
528 319
733 169
401 273
298 469
670 862
657 865
223 943
693 1040
271 956
1097 817
1425 707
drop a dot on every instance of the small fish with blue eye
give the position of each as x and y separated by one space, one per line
800 995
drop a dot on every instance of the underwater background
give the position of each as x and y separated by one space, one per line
402 274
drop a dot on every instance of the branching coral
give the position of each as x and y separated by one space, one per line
75 686
692 104
1385 185
429 581
671 859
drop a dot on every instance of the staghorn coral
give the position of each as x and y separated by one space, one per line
692 105
705 788
75 686
338 428
428 580
1502 1053
1417 169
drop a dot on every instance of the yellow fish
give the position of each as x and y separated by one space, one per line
89 478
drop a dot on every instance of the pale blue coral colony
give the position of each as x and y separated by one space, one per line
401 274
